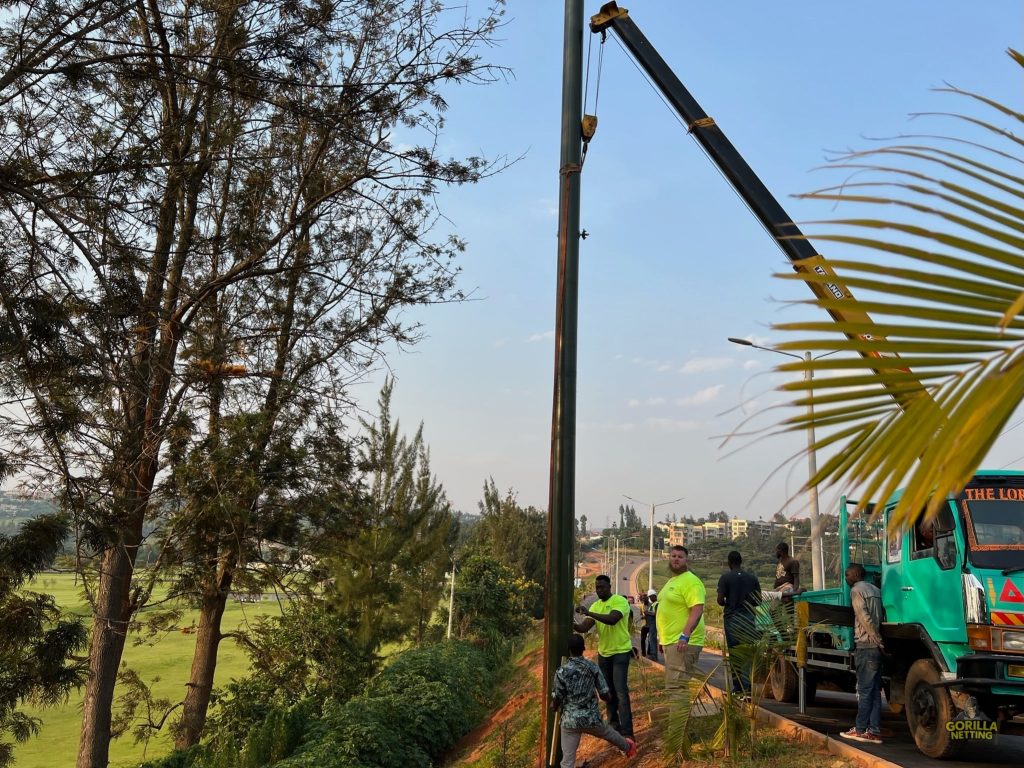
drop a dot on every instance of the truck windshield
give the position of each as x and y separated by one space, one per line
995 525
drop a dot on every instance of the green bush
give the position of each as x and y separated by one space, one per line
409 716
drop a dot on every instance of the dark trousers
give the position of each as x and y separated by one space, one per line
738 631
643 639
652 643
868 662
615 669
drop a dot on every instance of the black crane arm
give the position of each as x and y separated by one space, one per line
718 147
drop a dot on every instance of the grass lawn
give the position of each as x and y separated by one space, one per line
168 660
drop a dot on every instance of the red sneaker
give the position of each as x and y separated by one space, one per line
631 748
854 734
871 738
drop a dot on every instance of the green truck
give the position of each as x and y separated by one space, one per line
953 625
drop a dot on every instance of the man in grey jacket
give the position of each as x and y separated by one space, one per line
866 601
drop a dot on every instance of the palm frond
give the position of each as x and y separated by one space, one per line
941 372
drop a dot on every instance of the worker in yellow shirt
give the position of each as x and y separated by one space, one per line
680 621
611 615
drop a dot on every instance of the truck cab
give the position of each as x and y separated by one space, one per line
953 597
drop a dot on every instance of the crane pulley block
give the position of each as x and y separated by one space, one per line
588 127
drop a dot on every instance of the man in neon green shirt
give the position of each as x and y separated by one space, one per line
680 621
611 614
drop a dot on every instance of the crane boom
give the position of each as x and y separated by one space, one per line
750 188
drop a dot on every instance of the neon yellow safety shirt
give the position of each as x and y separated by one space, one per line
613 638
675 600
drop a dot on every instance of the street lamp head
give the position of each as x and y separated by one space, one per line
743 342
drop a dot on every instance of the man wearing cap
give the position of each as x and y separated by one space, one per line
651 625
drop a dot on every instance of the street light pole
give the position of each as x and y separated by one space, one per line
451 602
817 553
616 564
650 557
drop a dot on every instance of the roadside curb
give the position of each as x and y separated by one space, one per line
806 735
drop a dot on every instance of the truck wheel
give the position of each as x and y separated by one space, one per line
784 681
929 708
762 683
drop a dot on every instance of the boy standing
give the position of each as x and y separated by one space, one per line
573 694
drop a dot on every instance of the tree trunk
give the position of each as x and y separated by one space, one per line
113 611
204 661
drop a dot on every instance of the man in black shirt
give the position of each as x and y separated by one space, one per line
787 572
738 592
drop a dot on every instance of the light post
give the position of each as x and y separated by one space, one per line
817 558
650 558
451 602
618 587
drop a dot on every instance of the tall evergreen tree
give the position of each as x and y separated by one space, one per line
512 534
199 157
391 553
37 642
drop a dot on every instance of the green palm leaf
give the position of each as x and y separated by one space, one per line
942 371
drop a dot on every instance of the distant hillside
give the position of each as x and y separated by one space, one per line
15 510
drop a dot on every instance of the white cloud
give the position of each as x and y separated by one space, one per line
672 425
500 343
650 401
542 336
706 365
658 366
701 396
751 365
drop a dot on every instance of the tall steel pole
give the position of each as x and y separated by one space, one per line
561 489
817 549
650 557
615 590
817 553
650 554
451 603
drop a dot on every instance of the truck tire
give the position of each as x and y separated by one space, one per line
784 681
762 683
928 709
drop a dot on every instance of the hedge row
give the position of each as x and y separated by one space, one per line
410 716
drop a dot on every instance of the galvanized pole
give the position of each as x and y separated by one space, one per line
650 553
817 555
451 603
561 490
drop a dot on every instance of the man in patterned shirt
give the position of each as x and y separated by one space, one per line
573 694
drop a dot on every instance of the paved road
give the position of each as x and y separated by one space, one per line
834 712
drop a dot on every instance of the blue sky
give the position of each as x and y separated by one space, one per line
674 263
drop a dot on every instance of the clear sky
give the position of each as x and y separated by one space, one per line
674 263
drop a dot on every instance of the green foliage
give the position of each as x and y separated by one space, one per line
37 642
409 715
512 534
491 601
389 557
305 654
735 728
933 380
